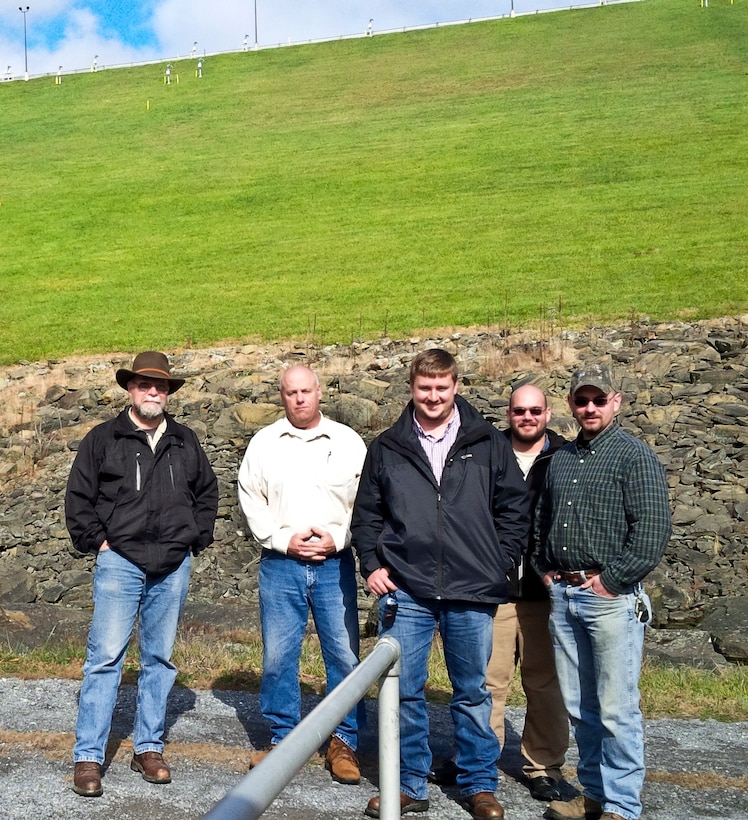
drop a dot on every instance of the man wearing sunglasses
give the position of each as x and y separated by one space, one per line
601 525
520 626
142 497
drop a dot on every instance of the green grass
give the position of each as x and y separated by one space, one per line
680 691
593 159
235 662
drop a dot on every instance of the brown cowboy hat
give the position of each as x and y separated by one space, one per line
152 365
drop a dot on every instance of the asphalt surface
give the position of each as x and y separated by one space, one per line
696 769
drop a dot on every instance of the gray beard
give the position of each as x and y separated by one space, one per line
149 411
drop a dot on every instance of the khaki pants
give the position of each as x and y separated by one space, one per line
520 633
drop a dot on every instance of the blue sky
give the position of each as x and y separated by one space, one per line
71 32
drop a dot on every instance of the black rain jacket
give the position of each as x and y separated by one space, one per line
456 540
524 583
151 507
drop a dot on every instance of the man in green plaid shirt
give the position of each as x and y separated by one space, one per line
602 524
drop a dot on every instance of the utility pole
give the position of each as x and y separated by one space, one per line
24 12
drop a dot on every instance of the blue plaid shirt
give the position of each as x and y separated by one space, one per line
604 506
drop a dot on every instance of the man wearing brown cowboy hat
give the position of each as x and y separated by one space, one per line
143 497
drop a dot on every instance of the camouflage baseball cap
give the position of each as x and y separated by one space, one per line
593 375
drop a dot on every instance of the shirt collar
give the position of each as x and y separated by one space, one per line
599 440
160 427
454 422
320 430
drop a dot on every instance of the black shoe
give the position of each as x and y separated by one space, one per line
444 775
544 788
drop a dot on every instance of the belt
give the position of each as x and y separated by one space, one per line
576 577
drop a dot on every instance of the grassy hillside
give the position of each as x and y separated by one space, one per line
593 158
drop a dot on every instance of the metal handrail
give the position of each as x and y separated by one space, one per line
257 790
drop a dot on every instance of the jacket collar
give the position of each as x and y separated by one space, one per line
472 427
553 441
123 426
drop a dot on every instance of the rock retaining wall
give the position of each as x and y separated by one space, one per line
685 391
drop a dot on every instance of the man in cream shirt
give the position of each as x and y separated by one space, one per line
297 485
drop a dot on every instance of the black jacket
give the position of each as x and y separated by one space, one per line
455 540
151 507
524 583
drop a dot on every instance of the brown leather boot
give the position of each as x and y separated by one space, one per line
407 805
341 762
151 765
483 806
87 779
580 808
259 755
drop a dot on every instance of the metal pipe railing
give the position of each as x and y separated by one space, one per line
389 739
257 790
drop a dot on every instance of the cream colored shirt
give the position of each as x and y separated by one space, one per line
292 479
525 461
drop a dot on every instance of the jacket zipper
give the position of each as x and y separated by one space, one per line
447 465
137 472
441 540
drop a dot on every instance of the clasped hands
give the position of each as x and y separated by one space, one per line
313 545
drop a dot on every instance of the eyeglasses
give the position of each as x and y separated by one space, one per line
520 411
598 401
144 387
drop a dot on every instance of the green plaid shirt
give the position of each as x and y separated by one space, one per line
604 506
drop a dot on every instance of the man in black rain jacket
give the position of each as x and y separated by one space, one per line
440 518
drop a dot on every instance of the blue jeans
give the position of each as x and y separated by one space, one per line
121 591
289 588
597 644
467 633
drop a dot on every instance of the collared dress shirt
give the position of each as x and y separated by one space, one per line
437 449
292 479
604 507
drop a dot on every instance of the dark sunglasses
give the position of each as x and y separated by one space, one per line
598 401
144 387
520 411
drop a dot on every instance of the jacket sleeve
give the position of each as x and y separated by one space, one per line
540 526
86 530
367 522
205 494
511 505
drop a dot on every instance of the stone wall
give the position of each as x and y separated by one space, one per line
685 391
